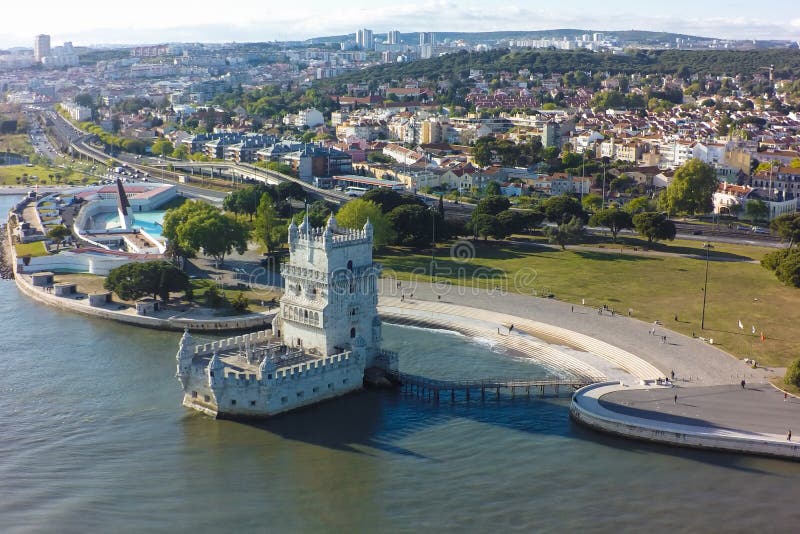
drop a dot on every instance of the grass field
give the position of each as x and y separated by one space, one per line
17 143
34 249
10 173
654 287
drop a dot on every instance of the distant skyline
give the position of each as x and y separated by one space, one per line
91 22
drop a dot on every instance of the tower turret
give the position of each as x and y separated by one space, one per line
216 372
184 356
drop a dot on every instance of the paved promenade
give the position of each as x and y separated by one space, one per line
711 411
694 362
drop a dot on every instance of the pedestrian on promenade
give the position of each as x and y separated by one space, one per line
672 374
785 396
675 400
743 383
510 328
572 309
789 435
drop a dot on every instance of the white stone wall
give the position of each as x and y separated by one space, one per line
239 395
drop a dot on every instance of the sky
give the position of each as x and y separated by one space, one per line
91 22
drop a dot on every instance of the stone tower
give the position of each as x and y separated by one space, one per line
330 299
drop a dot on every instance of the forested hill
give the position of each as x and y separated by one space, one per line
682 62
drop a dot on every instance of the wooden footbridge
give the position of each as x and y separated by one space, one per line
432 389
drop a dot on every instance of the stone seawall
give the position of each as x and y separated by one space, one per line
244 322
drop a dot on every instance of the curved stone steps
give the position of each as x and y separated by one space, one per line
544 354
435 312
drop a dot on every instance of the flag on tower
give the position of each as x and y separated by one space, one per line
762 336
741 326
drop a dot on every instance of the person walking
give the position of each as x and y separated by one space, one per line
789 435
675 399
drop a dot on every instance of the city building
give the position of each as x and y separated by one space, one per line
427 40
393 37
364 39
41 47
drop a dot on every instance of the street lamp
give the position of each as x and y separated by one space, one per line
708 248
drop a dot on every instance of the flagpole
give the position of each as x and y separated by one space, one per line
705 288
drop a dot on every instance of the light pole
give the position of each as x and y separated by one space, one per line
708 248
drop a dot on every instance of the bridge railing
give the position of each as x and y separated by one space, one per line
494 382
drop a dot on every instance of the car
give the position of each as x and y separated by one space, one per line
697 232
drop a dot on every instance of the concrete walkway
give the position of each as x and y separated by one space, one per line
754 420
712 409
694 362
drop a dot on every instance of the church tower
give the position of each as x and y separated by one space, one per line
330 299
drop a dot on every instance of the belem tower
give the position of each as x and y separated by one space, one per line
325 336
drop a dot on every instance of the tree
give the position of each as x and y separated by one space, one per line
412 224
388 199
787 226
267 229
614 219
162 147
483 225
58 234
637 205
562 208
492 205
565 233
135 280
355 213
532 219
785 263
756 210
175 217
654 226
290 189
180 152
84 99
691 190
512 222
492 188
792 376
240 303
217 234
318 213
592 202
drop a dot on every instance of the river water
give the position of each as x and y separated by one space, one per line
94 440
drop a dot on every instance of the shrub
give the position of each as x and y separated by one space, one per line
240 302
792 377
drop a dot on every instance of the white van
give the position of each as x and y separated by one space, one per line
354 191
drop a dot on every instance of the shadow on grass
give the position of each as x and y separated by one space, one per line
611 256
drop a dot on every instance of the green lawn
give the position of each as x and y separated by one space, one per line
10 173
655 287
36 248
16 143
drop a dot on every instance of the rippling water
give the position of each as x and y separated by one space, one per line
94 439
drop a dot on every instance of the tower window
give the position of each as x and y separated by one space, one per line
349 265
352 333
